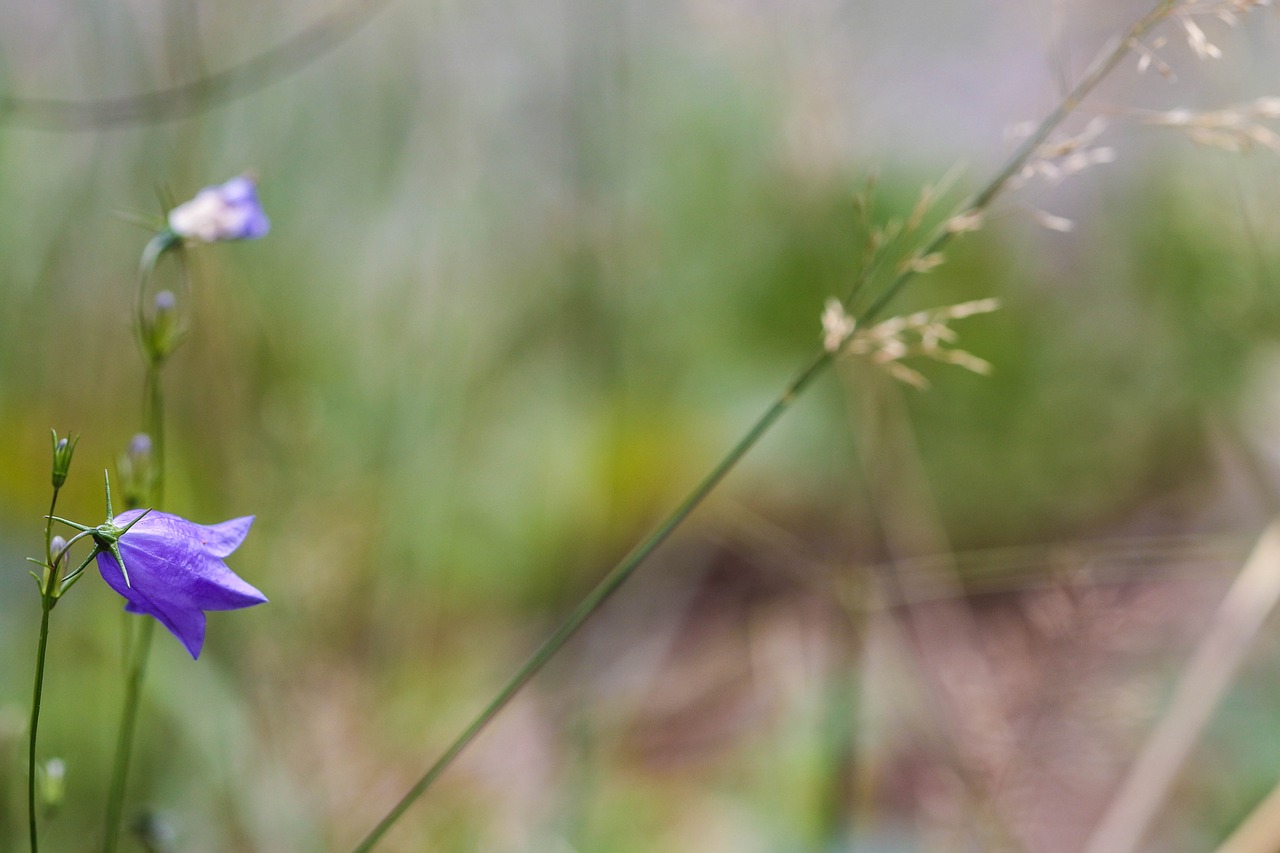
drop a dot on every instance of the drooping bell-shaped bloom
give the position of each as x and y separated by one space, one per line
173 570
227 211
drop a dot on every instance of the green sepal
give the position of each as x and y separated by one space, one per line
69 582
115 552
69 523
106 537
41 582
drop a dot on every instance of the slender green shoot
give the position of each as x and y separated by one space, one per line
140 648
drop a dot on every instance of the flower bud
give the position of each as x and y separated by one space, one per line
56 546
164 304
140 446
52 570
155 831
161 333
62 451
136 472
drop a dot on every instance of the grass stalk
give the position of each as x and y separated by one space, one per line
1260 831
979 202
601 593
1203 684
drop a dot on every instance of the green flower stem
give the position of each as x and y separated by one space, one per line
601 593
48 598
140 648
48 533
139 652
623 570
45 606
153 405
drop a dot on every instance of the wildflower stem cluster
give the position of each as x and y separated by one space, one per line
177 565
179 573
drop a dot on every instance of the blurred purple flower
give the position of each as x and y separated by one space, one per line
175 571
227 211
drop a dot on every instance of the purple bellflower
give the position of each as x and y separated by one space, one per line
227 211
173 570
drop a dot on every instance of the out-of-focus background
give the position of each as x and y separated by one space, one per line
534 267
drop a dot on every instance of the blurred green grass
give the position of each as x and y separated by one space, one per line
516 300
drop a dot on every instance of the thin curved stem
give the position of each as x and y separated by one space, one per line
48 530
153 404
140 651
35 721
187 99
47 600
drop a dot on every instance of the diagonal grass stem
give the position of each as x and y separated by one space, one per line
605 588
1106 62
981 200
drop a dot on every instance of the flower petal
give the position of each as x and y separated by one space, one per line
187 625
222 539
227 211
176 571
189 578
